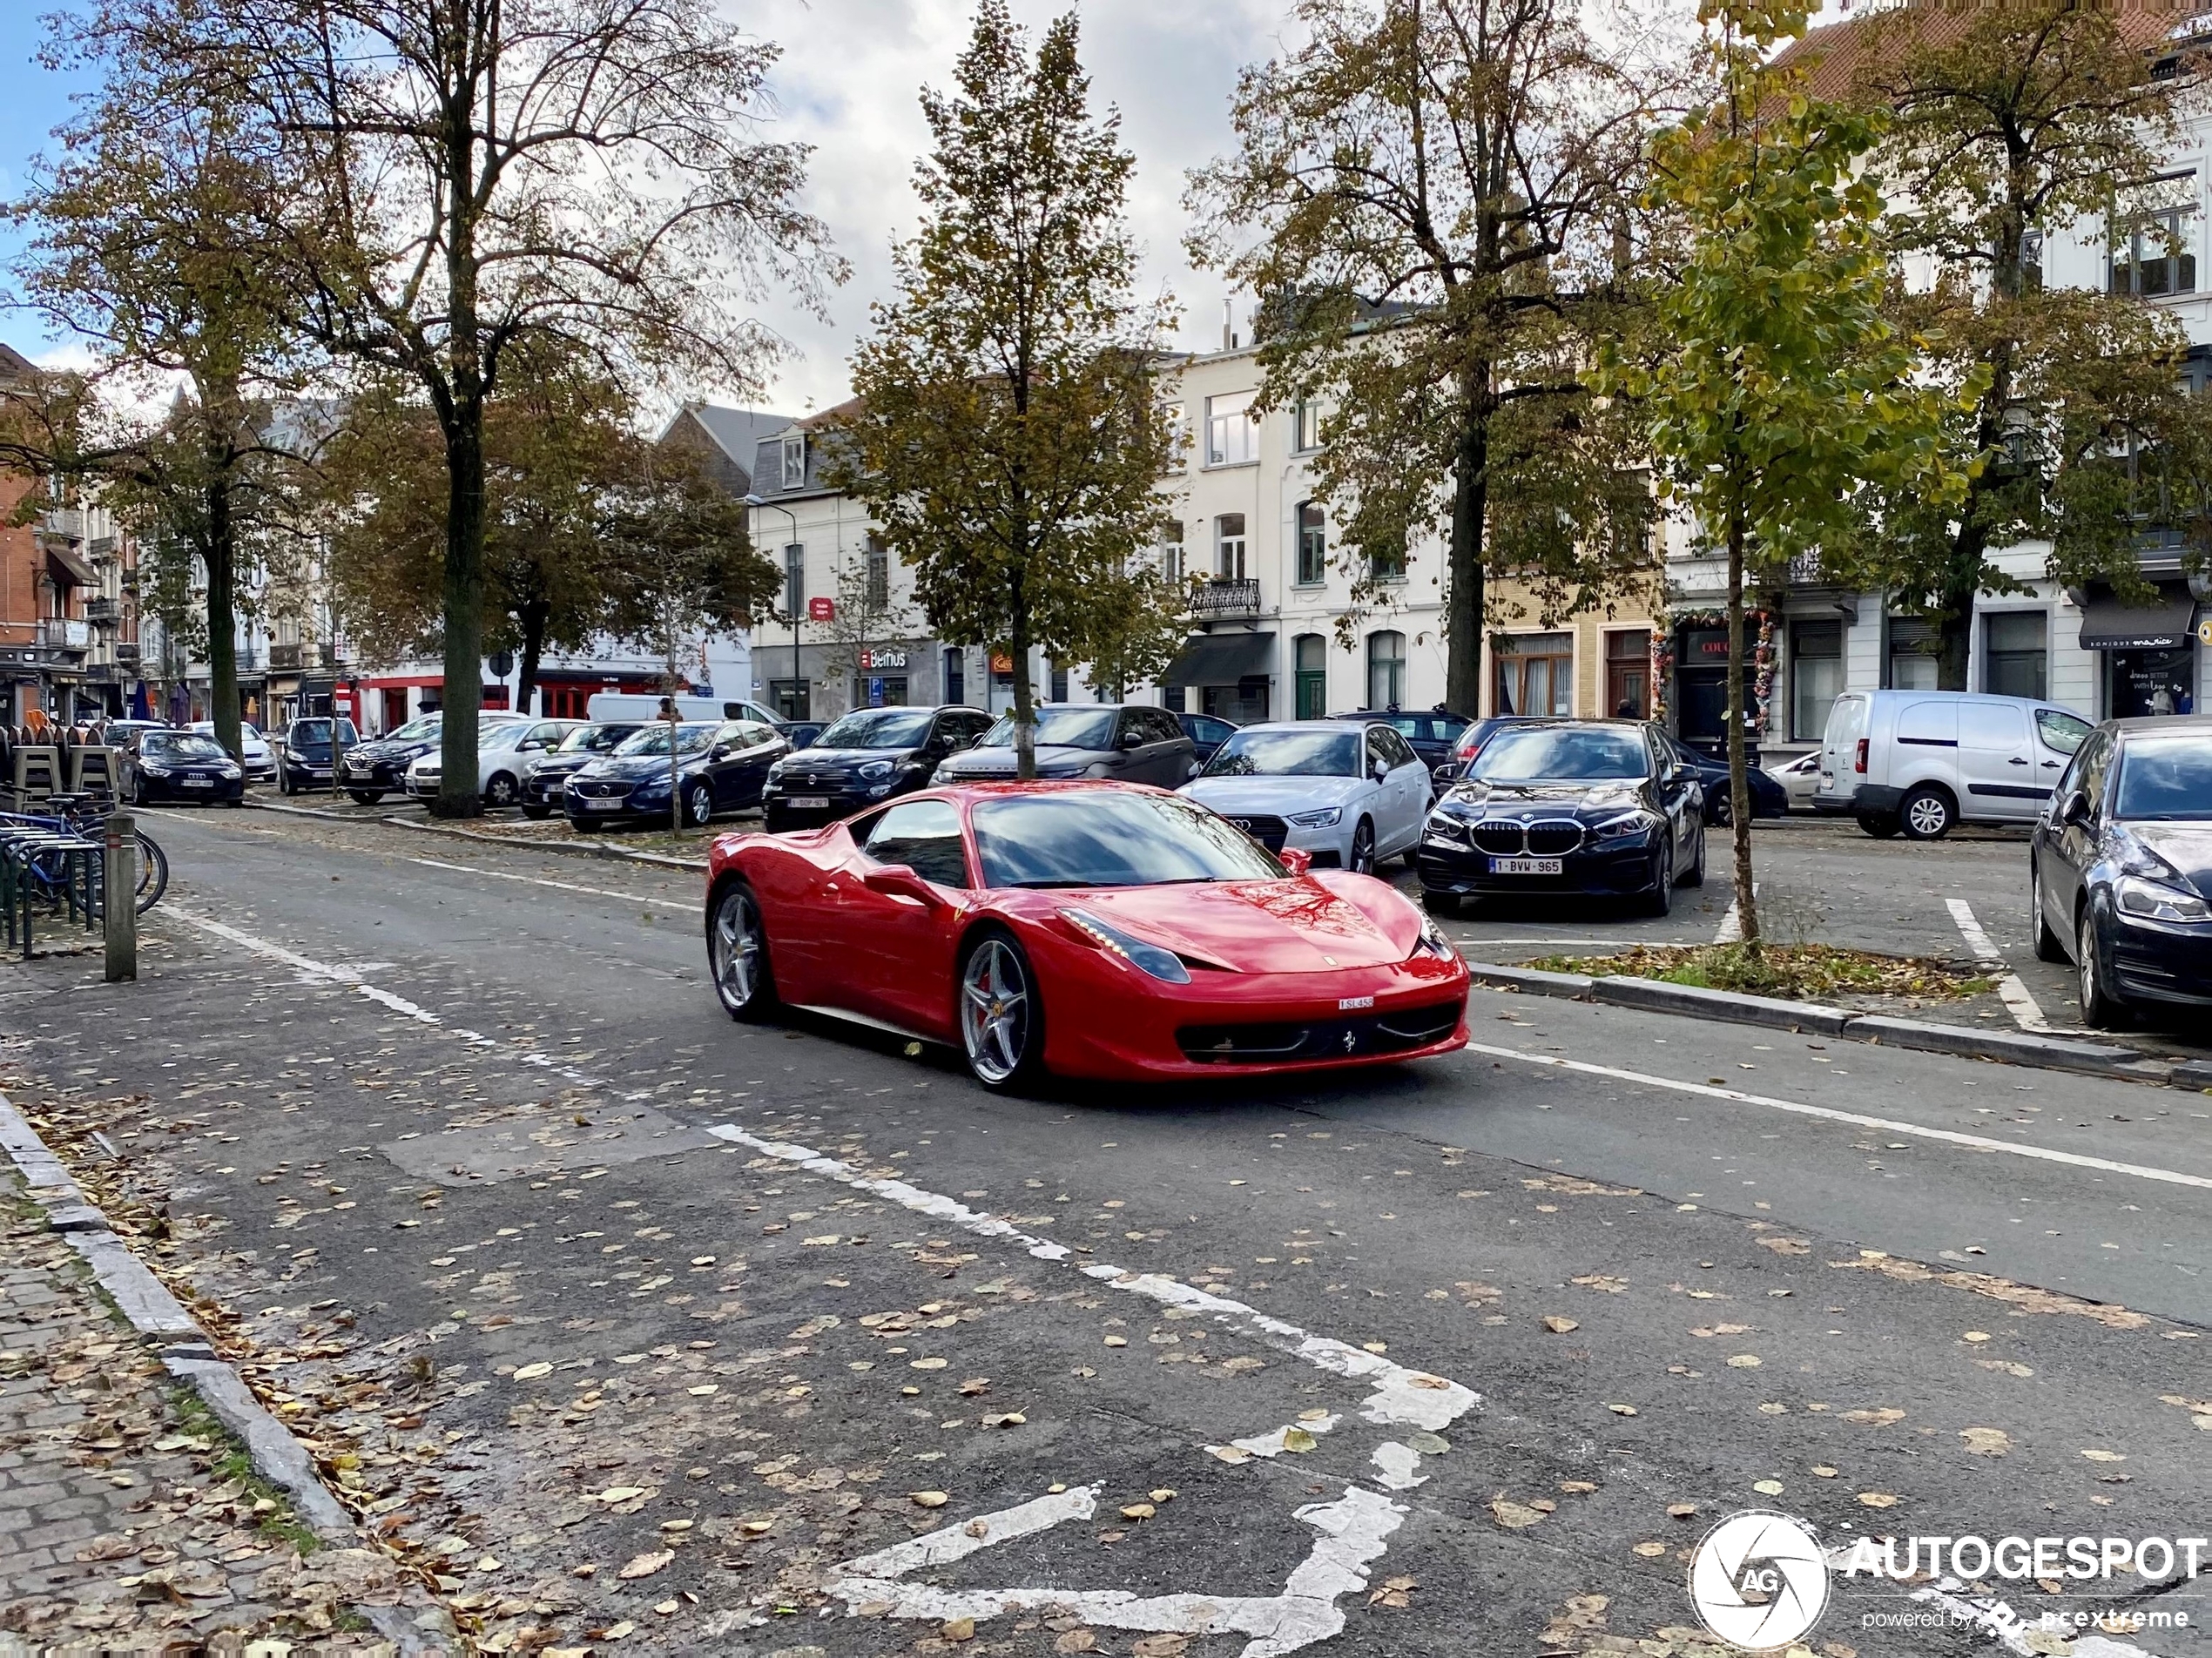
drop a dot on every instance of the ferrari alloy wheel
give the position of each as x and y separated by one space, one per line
699 804
1001 1027
737 947
2100 1009
1363 848
500 791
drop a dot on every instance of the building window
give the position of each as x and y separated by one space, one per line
1309 661
955 676
2018 657
1059 683
1386 670
1228 547
1627 673
790 698
1536 675
1312 543
1171 556
794 581
1305 426
1912 654
2153 249
794 461
878 589
1386 563
1229 430
1816 675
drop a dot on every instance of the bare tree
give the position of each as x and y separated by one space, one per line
475 173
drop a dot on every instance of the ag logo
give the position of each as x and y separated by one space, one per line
1759 1580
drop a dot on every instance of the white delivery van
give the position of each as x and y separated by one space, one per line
1919 761
626 705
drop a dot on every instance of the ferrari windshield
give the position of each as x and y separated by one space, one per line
1561 753
1287 754
1106 838
1058 728
877 728
690 739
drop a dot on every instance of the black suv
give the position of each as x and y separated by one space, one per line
303 753
869 755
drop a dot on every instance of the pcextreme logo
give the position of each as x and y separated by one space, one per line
1759 1580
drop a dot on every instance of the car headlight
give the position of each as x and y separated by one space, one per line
1327 817
2155 901
153 771
1150 957
876 771
1446 828
230 769
1630 825
1433 941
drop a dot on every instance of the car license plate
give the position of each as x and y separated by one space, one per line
601 805
809 803
198 783
1525 866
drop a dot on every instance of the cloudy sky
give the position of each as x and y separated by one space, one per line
846 85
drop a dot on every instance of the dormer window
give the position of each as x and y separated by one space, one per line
794 461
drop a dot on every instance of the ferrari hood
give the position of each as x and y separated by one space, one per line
1258 926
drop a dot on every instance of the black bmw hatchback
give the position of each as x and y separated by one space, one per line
1588 806
2120 870
870 754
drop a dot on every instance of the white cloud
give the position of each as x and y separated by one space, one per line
848 84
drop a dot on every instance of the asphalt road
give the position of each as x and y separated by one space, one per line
563 1273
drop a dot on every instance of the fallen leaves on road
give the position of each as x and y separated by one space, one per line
1743 1361
1394 1592
1874 1418
1876 1500
1604 1282
928 1499
1986 1442
532 1372
2021 1297
1558 1325
1515 1516
1622 1410
646 1565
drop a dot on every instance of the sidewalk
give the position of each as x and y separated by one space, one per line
123 1522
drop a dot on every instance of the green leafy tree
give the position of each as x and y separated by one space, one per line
469 178
1434 198
1779 388
681 561
2010 123
1008 439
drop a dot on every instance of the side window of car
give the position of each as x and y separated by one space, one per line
2061 732
1166 728
1376 749
2096 760
1405 755
926 835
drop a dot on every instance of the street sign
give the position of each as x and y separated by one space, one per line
821 610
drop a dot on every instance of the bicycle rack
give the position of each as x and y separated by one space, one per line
42 869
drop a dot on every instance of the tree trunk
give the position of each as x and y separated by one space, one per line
1739 784
1025 707
534 616
1463 617
221 554
464 624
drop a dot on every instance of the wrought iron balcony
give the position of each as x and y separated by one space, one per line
284 656
66 633
1224 597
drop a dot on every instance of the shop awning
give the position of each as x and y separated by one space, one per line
71 566
1220 659
2107 624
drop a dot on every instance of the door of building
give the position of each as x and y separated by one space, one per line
1312 677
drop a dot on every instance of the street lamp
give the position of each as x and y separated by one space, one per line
795 579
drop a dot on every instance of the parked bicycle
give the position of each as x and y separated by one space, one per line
38 837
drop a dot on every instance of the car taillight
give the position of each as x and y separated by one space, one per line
1858 763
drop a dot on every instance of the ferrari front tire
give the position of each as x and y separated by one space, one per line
737 951
1001 1017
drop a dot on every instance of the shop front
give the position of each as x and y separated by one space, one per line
1231 672
2148 652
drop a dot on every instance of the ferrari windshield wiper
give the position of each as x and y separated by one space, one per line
1041 885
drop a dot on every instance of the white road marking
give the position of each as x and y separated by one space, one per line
2014 993
1949 1137
958 1541
1354 1528
536 880
1730 931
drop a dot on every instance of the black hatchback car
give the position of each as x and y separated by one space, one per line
545 783
1587 806
868 755
1433 733
303 753
719 767
181 766
2120 868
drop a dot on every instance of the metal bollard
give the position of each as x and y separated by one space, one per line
120 896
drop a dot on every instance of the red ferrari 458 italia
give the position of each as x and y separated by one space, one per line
1090 929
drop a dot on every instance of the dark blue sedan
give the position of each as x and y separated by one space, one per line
719 768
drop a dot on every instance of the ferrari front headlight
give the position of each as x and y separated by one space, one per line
1164 965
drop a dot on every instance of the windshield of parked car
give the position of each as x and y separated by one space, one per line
415 730
1287 754
1563 753
1060 727
596 740
318 731
180 745
2165 777
1106 838
877 728
690 739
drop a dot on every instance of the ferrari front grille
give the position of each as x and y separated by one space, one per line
1275 1043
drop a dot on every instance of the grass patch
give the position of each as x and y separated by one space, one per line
227 1459
1793 972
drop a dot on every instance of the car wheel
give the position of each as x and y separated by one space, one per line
2100 1009
284 783
1363 848
1694 875
737 951
699 804
501 791
1882 825
1926 814
365 797
1661 900
2048 946
1001 1021
536 810
1439 903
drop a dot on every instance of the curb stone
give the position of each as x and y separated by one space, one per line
593 850
2014 1047
277 1455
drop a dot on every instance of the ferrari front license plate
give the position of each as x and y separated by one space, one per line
809 803
1525 866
